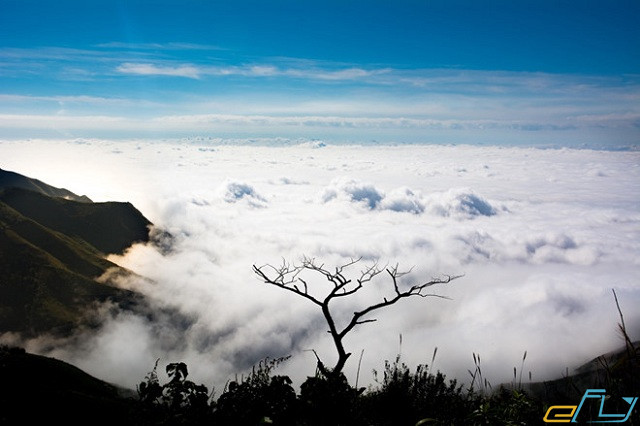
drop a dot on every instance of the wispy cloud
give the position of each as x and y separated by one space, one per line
622 119
50 53
52 64
186 60
325 121
252 70
289 125
225 92
342 74
208 121
77 99
67 122
188 71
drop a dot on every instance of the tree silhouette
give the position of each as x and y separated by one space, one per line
289 277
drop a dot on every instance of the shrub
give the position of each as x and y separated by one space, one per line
258 399
406 398
328 399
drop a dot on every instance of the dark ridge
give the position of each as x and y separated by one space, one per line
14 180
37 389
110 227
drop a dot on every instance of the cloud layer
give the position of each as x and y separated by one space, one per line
541 237
164 90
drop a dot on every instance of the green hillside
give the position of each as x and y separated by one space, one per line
52 249
48 278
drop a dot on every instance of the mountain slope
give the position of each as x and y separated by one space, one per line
52 249
617 371
48 278
110 227
14 180
37 390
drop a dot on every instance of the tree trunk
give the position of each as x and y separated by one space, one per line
337 340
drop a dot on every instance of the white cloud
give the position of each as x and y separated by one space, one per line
188 71
540 237
404 200
234 191
351 190
460 203
342 74
161 68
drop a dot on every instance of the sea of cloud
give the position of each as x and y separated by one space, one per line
541 237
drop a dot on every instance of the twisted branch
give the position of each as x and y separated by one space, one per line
287 277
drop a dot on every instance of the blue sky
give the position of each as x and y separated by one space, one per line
505 72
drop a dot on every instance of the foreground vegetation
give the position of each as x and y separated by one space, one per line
50 250
401 396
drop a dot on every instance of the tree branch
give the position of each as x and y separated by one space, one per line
288 285
287 277
366 321
365 276
415 290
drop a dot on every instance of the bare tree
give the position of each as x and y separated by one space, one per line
288 277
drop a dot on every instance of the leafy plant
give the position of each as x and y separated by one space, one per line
509 407
180 401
